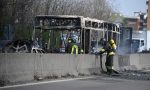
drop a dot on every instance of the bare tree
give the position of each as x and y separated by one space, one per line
91 8
22 12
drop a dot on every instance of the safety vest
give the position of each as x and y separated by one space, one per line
76 48
110 67
111 53
102 50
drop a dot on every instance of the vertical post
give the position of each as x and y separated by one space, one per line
146 40
41 37
49 40
9 31
89 41
107 31
118 36
97 40
33 34
113 31
84 40
103 30
81 37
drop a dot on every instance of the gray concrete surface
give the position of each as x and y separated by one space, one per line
97 83
16 67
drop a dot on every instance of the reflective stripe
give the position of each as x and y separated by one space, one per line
111 53
81 50
110 67
114 46
69 41
102 50
74 47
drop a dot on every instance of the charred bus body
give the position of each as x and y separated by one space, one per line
52 32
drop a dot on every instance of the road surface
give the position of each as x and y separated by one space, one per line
92 83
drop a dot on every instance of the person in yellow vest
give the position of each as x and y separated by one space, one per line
109 48
76 49
68 46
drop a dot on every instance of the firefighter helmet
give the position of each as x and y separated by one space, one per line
112 41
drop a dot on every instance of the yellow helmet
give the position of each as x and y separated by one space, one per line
112 41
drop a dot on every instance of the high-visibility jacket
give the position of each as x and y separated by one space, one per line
107 48
74 49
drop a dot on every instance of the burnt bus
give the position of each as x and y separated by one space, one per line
52 31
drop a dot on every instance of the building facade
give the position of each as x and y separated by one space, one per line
148 14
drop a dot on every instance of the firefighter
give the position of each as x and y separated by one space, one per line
69 44
76 48
108 47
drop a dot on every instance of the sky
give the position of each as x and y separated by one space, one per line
128 7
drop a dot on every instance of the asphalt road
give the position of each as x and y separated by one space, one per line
96 83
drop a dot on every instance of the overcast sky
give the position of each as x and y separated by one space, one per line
128 7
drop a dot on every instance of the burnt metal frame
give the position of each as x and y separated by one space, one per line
68 22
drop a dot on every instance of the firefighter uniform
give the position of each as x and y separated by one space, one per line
109 48
75 49
68 46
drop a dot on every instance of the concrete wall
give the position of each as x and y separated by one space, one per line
134 62
23 67
17 67
144 61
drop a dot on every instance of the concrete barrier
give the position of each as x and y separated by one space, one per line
134 61
16 67
144 61
26 66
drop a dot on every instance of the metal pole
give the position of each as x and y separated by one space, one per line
49 40
33 34
41 37
84 40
